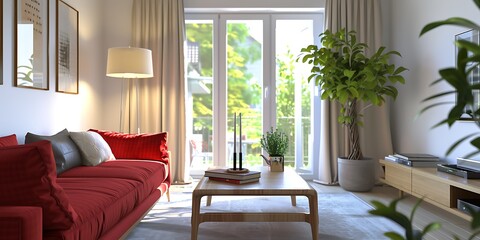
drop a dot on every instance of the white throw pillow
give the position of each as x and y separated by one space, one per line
93 148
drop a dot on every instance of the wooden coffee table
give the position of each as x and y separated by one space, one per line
287 183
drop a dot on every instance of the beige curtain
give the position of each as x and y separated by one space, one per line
363 16
159 26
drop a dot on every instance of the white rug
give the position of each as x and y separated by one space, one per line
341 216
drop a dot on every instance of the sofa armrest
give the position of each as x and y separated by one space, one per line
20 222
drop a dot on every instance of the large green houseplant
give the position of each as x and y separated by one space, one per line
348 76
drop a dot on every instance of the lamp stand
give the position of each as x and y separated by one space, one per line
122 105
138 106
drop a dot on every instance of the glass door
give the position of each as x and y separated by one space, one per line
244 79
247 63
199 74
295 97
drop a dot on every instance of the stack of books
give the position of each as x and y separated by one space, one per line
237 178
414 159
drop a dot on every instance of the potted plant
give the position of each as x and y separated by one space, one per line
348 76
275 143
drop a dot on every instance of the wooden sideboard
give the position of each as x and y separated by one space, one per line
438 188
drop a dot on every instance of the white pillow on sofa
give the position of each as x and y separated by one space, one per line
93 148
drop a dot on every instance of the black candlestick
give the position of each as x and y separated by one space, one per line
240 154
240 160
235 161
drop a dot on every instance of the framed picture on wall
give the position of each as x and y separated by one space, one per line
67 48
474 77
31 44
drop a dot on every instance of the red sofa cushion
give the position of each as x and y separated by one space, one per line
28 178
100 204
149 173
20 223
10 140
137 146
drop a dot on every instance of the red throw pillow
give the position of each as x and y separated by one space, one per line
10 140
136 146
28 178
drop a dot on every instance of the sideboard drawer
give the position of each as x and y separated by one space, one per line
399 176
434 190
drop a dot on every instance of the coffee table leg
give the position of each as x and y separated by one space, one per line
294 200
195 215
209 200
313 204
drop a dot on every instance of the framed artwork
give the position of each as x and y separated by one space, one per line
474 77
67 48
31 44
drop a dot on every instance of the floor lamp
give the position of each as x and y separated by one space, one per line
129 62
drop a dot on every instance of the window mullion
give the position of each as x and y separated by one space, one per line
220 106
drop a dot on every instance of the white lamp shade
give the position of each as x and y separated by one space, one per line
128 62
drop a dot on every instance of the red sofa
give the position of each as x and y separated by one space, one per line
81 202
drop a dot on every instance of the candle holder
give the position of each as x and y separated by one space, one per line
243 170
235 169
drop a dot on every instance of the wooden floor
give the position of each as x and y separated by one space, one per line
425 214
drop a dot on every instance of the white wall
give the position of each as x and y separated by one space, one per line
117 30
424 57
47 112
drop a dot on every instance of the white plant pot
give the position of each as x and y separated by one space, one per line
356 175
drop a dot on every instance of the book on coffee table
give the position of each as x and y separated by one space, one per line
223 173
235 181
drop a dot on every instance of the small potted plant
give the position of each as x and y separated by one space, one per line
275 143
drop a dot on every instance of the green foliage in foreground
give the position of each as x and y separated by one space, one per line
390 212
468 59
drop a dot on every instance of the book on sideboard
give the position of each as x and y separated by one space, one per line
223 173
417 157
234 181
410 163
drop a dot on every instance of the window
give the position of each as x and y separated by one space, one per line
246 63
